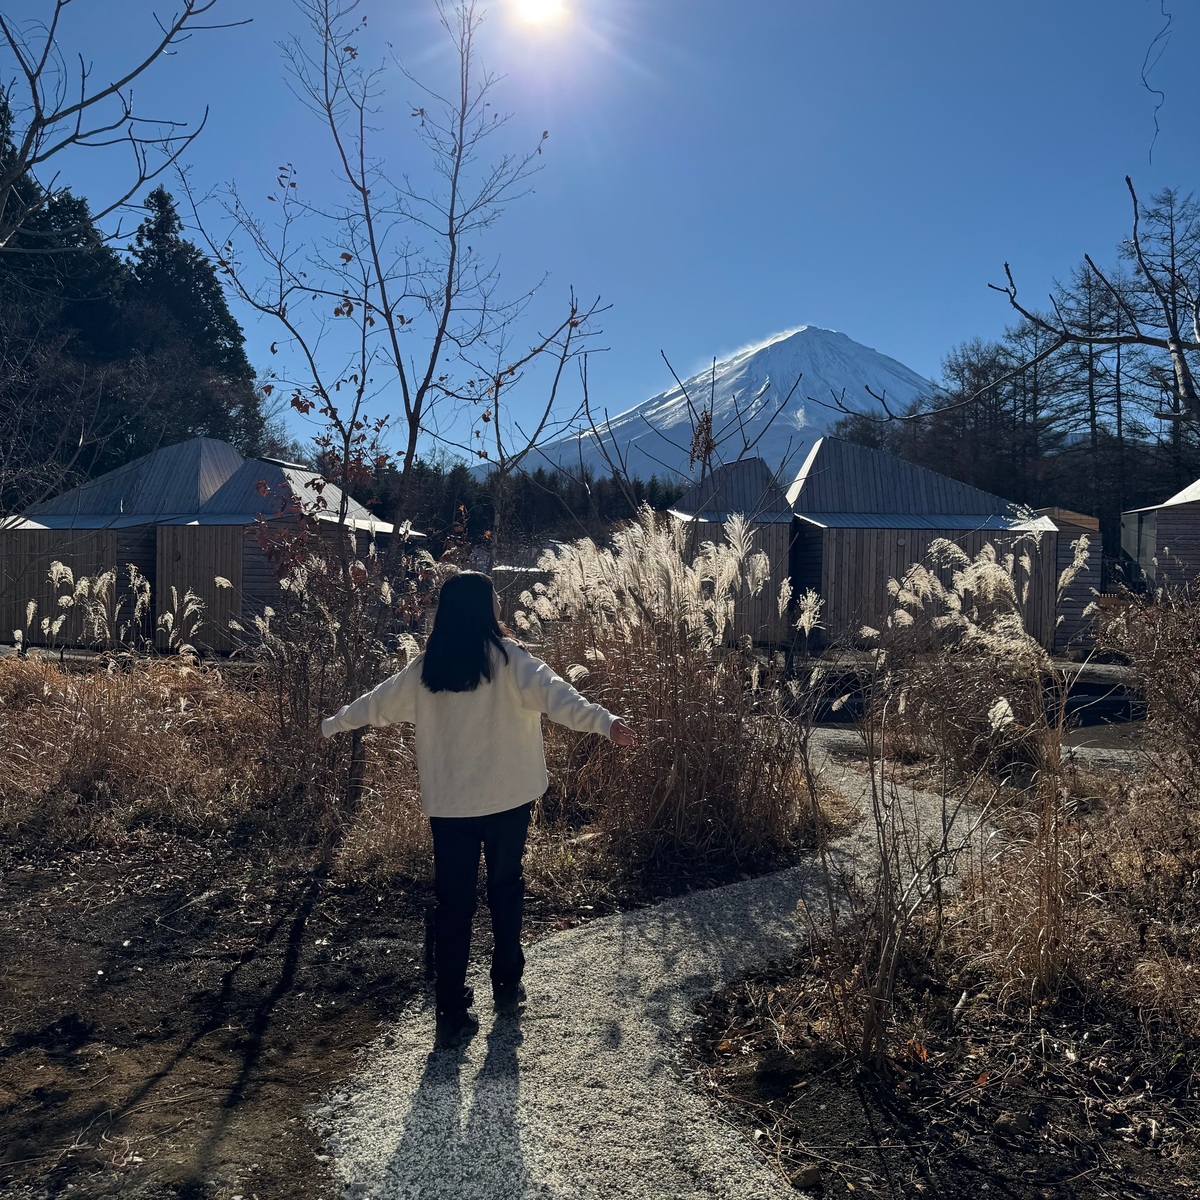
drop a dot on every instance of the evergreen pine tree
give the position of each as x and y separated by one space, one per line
203 383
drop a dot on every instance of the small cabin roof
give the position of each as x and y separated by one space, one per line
202 481
1013 521
1067 516
1189 495
841 476
171 480
269 488
747 486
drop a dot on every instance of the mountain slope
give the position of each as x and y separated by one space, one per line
655 435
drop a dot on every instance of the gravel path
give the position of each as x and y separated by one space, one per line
586 1096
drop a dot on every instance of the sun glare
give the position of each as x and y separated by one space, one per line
540 12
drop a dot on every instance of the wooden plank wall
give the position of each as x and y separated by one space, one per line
25 558
1072 627
1177 545
857 564
756 616
193 556
260 583
138 547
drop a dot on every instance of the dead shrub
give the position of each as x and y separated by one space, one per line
119 746
715 774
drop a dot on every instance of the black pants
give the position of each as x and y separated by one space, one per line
456 844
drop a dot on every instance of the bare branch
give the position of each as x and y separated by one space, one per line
46 124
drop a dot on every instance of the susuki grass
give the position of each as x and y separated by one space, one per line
1067 884
651 636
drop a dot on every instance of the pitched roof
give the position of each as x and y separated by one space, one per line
266 487
1069 517
202 481
1011 521
173 480
747 487
842 477
1189 495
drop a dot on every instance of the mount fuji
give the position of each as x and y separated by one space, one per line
745 392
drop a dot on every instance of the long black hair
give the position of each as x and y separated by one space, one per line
458 654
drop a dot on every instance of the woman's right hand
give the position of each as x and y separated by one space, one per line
621 734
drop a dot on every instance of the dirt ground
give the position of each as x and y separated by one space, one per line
169 1013
167 1016
1060 1103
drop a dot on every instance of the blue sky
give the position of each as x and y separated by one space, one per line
719 171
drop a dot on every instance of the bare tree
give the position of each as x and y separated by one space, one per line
1169 321
383 295
51 104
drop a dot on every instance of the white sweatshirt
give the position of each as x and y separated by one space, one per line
478 752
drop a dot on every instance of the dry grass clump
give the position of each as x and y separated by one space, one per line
956 677
85 755
716 773
387 837
90 755
1090 883
964 681
1145 858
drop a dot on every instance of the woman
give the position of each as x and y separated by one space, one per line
477 698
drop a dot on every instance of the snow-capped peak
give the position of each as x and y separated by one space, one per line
772 399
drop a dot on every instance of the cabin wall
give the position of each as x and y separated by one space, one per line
857 564
1176 541
1072 627
193 557
260 582
25 558
138 547
755 616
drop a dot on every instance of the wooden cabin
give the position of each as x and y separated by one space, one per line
1163 540
750 488
1076 596
184 516
864 517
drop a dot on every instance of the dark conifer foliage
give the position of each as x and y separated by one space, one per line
182 327
104 359
446 501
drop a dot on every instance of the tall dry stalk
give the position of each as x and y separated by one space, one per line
648 633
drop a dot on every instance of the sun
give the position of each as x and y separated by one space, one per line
540 12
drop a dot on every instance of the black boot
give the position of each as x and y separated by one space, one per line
456 1026
509 1000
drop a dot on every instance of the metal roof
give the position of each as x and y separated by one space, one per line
202 481
720 516
1189 495
747 487
174 479
82 521
1012 522
261 486
840 476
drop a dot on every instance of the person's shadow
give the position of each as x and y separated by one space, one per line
439 1155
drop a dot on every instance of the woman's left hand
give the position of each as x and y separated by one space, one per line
621 734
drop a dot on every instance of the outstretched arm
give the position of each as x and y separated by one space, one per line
544 691
393 701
